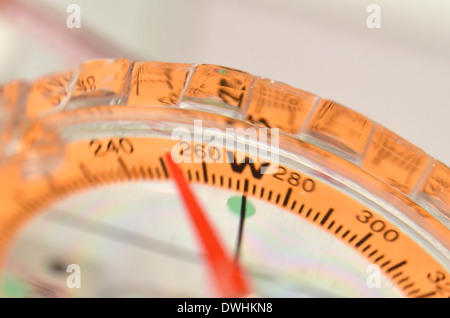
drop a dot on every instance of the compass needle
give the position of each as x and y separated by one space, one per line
227 274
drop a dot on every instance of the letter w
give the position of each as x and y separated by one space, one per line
239 167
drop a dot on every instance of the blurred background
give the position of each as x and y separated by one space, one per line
397 73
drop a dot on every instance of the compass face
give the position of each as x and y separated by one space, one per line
134 239
119 218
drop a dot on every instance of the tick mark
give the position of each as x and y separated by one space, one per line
394 267
327 215
361 241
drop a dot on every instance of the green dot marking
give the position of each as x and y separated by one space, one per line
234 204
14 287
222 71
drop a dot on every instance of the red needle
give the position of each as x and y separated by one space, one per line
227 274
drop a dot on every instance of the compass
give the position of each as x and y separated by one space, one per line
151 179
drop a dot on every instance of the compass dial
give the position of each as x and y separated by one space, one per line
346 208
